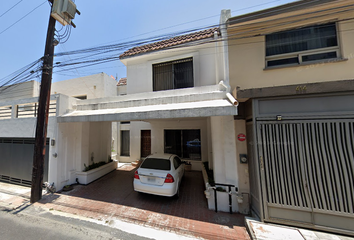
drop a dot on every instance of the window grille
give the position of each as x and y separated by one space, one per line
173 75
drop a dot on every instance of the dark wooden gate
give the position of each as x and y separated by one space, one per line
145 143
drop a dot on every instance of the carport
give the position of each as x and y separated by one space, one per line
112 197
203 114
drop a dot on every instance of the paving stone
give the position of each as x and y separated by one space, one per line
112 196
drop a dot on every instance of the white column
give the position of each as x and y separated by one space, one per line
224 150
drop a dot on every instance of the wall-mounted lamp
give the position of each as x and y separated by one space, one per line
279 117
52 142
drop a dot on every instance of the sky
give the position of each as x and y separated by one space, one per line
23 28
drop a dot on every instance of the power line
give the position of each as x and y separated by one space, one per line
108 53
197 20
10 8
22 18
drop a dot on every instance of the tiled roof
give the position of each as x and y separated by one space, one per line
122 81
170 42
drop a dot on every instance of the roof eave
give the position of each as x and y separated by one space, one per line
289 7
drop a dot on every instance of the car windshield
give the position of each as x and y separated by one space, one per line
156 163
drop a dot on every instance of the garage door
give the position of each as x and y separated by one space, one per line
16 160
307 172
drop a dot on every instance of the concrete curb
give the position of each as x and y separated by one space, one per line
249 228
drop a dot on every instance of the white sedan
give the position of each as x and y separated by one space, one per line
159 174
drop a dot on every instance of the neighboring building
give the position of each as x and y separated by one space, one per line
122 87
93 86
63 161
18 91
292 68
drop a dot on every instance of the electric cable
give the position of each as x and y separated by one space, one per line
22 18
98 55
10 8
180 24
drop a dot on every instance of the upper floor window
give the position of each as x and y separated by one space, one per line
83 97
173 75
302 45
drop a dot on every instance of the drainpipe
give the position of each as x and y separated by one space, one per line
224 16
216 57
228 94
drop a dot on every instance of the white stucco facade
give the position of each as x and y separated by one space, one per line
93 86
217 131
72 145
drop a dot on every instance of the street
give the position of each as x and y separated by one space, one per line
33 224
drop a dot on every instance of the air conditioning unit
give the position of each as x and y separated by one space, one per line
63 11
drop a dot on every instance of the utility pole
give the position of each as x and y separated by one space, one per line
42 117
64 12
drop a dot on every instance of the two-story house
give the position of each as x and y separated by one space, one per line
177 101
292 70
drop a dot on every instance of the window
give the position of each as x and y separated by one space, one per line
125 143
173 75
83 97
156 163
177 162
302 45
183 143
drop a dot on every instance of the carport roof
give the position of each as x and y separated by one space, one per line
215 107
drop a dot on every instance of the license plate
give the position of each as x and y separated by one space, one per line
151 179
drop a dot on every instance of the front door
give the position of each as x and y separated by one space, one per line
145 143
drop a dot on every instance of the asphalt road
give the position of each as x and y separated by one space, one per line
31 224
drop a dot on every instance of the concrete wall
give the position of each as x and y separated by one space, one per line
100 139
224 150
242 168
247 63
94 86
80 144
121 90
22 90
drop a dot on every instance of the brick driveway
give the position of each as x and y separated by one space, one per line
112 196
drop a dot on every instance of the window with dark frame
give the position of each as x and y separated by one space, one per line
125 143
83 97
173 75
184 143
302 45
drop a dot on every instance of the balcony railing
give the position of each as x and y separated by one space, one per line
31 110
5 112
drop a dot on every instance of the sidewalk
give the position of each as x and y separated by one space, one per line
13 196
132 219
264 231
